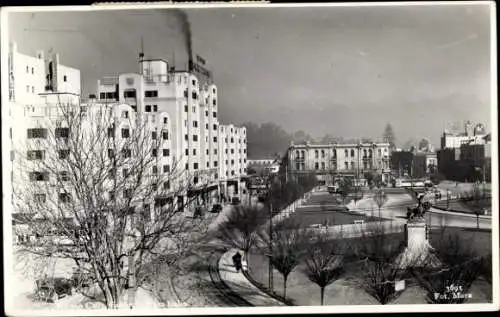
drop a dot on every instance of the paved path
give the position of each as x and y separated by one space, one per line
239 284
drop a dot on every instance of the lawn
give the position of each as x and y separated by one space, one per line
348 290
308 216
465 206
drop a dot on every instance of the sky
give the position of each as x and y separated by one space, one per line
344 71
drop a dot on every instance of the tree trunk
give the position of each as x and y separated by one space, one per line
284 286
477 220
322 296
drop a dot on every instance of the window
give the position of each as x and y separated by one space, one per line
36 155
215 114
316 154
215 139
102 95
352 165
155 108
154 152
227 151
346 153
185 93
316 166
232 140
147 108
125 114
110 95
165 120
194 95
195 124
32 89
323 165
352 153
62 132
195 180
232 162
127 193
185 123
111 153
215 127
64 198
194 109
187 166
232 151
186 108
166 152
194 82
27 69
129 93
323 153
232 172
39 176
40 198
195 138
37 133
215 163
155 169
208 164
165 135
127 153
195 166
206 113
166 185
166 168
63 154
214 102
125 133
151 93
111 132
194 151
207 152
215 151
186 152
186 137
206 126
65 78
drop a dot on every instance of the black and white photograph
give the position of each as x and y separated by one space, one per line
247 158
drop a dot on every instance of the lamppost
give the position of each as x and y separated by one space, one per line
269 198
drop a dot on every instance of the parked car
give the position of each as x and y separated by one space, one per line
216 208
333 189
51 289
235 200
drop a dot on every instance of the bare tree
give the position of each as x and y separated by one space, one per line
345 188
449 283
324 261
357 194
380 199
92 178
379 248
239 228
285 248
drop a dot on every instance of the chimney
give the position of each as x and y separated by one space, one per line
190 65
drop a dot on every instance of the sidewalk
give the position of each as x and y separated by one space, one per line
239 284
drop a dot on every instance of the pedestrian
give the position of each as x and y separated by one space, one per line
237 261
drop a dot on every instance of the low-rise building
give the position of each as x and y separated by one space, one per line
332 161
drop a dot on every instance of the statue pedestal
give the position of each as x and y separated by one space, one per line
418 251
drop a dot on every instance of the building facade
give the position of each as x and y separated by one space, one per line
332 161
175 106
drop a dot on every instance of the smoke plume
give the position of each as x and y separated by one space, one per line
186 31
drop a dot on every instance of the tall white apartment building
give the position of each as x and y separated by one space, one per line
33 81
177 108
233 149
